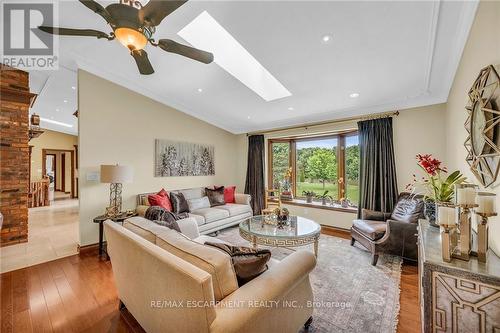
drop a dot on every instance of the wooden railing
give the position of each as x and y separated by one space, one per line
39 193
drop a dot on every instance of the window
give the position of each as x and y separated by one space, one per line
319 164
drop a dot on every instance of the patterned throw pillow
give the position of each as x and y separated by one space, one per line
215 196
198 203
179 203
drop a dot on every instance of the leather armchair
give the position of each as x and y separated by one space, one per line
393 233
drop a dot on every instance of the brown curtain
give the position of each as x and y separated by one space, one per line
378 188
254 184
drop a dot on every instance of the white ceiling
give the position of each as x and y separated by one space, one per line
394 54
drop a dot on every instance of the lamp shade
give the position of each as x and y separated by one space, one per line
116 174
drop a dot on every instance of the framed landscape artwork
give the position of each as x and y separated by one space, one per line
174 159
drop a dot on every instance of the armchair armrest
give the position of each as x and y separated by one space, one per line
189 227
400 238
242 199
285 281
368 214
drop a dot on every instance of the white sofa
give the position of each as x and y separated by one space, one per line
209 219
171 283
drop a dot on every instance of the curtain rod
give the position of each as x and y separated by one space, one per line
343 120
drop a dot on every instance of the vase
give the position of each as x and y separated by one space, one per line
309 199
323 201
430 212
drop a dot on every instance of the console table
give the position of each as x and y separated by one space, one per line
459 296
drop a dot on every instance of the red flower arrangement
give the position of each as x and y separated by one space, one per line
430 165
437 188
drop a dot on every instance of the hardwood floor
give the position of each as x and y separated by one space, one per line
77 294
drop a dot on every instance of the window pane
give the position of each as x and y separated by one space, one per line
281 162
317 167
352 168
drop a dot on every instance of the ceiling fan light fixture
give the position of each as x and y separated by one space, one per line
130 38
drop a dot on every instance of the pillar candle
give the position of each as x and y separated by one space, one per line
471 195
461 196
466 196
486 203
446 215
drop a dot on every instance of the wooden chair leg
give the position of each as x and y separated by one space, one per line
374 259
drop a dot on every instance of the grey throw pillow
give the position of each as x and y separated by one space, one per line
215 196
198 203
179 203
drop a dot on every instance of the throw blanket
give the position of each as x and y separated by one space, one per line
163 217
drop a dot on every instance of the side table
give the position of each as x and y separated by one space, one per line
100 219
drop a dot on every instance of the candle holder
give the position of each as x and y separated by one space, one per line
464 248
482 236
448 234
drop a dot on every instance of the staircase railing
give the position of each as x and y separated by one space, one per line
39 193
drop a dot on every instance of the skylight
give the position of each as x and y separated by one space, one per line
205 33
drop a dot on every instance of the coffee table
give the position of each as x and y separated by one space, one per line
298 232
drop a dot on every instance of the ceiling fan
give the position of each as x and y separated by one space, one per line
134 25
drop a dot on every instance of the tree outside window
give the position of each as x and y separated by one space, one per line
316 165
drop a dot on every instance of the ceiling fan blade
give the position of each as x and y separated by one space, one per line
156 10
186 51
97 8
75 32
141 58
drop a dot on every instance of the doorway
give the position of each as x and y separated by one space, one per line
50 167
60 164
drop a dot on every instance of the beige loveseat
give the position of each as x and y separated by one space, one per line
171 283
209 219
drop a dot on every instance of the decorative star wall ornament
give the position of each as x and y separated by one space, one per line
482 125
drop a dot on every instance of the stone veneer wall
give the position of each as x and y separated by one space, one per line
14 155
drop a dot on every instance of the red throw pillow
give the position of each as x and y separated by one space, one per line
160 199
163 193
229 194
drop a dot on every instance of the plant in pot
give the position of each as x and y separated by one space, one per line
309 195
324 197
438 185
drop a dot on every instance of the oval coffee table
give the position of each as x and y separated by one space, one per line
299 232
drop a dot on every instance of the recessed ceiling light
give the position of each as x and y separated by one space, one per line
200 90
248 117
57 110
73 87
354 95
55 122
326 38
65 101
290 108
205 33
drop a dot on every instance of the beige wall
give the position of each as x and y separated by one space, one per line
482 49
416 130
120 126
49 140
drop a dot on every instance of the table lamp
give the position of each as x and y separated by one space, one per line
115 175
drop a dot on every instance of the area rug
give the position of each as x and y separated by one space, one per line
350 294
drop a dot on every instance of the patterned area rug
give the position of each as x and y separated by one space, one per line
351 294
